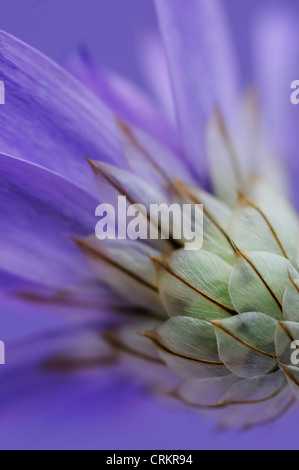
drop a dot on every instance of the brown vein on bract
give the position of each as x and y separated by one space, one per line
94 254
223 404
231 149
120 190
259 210
56 299
293 282
290 336
287 372
296 287
274 418
242 254
221 327
130 135
120 346
65 364
254 402
164 348
188 192
170 271
287 332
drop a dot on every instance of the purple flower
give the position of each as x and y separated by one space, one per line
223 319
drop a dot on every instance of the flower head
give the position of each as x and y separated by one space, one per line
216 326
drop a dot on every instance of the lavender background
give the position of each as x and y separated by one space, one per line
123 417
111 28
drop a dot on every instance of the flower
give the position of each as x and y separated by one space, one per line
224 318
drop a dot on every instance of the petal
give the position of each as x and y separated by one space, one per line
91 300
21 320
123 97
153 62
275 53
44 366
60 119
201 65
40 211
61 411
151 160
72 345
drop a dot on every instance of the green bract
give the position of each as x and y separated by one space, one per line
225 317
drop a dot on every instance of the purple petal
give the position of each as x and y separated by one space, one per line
154 65
276 55
19 320
202 66
97 410
40 211
103 407
127 100
152 161
51 119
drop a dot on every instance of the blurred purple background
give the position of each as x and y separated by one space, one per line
111 29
